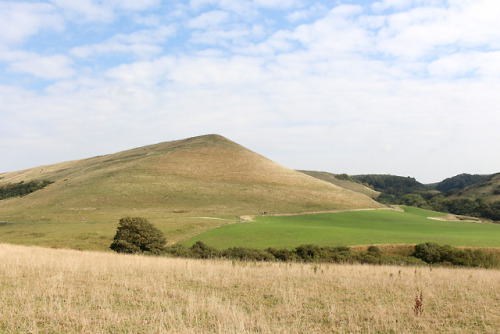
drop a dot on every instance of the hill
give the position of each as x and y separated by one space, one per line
345 183
459 182
488 189
169 183
391 184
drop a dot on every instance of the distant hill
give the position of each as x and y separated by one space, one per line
488 189
459 182
343 182
206 175
391 184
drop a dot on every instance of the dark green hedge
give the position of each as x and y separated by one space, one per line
427 253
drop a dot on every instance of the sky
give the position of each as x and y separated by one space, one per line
403 87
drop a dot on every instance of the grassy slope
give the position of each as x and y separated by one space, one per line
351 228
485 190
66 291
168 183
329 177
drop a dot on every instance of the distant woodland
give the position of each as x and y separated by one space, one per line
441 197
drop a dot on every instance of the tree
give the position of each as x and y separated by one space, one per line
137 235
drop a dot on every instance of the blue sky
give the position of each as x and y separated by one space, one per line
405 87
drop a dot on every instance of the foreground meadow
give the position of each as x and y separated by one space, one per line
52 290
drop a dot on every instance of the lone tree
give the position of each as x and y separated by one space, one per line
137 235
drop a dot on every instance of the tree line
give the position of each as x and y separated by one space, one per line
398 190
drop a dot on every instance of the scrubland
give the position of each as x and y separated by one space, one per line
64 291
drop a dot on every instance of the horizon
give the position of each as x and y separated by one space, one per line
321 171
400 87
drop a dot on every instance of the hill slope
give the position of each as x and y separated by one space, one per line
488 189
459 182
346 184
207 175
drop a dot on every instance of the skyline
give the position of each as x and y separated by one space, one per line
403 87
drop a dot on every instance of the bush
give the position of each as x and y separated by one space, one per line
137 235
430 252
202 251
309 253
178 250
433 253
247 254
283 254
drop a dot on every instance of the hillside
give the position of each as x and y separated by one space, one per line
459 182
206 175
488 189
346 184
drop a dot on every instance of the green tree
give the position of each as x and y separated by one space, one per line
137 235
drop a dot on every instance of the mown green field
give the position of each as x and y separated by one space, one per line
349 229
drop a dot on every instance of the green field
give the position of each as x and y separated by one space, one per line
349 229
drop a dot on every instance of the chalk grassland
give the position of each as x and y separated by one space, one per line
351 228
167 183
207 175
329 177
52 291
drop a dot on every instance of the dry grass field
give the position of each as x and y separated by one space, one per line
66 291
169 184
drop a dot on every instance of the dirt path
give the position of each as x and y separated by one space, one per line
251 218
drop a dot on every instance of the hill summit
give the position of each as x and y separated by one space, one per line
208 175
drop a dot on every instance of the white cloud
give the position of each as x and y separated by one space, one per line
48 67
21 20
303 14
209 19
277 3
343 89
86 10
135 5
143 43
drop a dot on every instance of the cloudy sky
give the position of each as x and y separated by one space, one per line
405 87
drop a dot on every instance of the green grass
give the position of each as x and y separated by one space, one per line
349 229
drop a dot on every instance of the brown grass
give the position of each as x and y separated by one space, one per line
207 175
52 291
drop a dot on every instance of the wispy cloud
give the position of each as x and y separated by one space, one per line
396 86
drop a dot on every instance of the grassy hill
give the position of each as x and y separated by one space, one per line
169 183
488 189
347 184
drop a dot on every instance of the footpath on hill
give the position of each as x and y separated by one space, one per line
249 218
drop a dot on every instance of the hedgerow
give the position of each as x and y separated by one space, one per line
424 254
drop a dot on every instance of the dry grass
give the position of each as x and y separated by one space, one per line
52 291
207 175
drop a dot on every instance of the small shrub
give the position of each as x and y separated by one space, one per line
247 254
282 254
308 253
178 250
429 252
202 251
137 235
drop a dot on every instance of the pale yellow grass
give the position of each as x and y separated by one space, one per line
65 291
